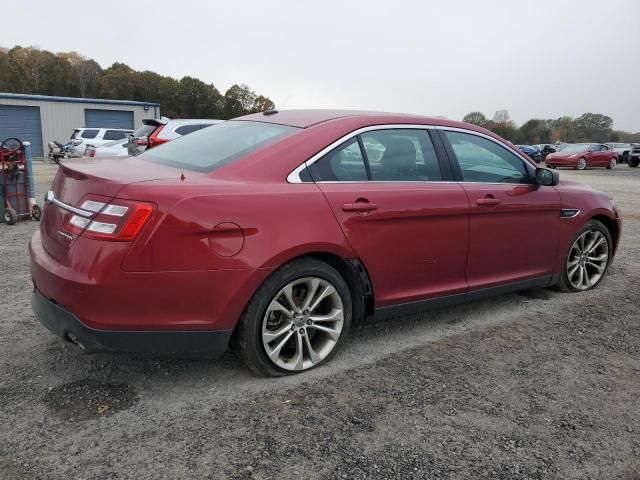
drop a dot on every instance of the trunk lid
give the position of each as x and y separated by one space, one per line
79 177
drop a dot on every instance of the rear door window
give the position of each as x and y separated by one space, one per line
114 135
401 155
345 163
89 133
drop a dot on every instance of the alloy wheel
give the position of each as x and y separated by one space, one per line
302 323
582 164
588 259
612 164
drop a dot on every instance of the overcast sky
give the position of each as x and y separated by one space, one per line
540 59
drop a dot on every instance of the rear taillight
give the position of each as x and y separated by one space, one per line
116 220
154 141
141 141
90 152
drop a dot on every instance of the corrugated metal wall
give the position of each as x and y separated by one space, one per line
108 118
24 123
58 118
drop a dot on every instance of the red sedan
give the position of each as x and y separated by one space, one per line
276 232
582 156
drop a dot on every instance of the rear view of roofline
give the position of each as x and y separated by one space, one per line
103 101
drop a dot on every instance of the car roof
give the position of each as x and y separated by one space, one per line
309 118
190 121
104 128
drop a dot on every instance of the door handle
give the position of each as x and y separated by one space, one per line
359 207
488 201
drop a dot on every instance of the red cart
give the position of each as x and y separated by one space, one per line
15 187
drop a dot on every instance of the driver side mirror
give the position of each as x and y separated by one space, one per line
547 177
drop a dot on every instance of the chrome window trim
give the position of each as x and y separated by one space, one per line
516 152
50 197
294 176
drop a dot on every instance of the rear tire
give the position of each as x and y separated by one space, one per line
10 216
282 331
582 255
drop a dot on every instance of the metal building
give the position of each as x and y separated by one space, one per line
41 119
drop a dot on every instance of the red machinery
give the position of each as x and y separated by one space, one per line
15 187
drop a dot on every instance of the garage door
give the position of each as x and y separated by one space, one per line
108 118
23 123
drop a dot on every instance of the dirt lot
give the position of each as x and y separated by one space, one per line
535 385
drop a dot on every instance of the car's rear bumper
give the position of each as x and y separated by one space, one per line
91 283
66 325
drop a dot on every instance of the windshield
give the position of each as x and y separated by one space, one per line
212 147
574 148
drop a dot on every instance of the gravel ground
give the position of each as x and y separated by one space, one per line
534 385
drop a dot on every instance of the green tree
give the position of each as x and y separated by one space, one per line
262 104
506 130
475 118
238 100
85 74
39 72
197 99
169 96
8 80
36 71
593 127
563 130
119 82
535 131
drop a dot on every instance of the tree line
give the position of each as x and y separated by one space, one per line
588 127
31 70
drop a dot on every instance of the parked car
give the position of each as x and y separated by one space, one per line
533 151
634 156
97 137
117 148
156 131
622 149
279 231
546 149
583 155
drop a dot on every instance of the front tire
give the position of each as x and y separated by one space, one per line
612 164
297 319
633 162
587 260
582 164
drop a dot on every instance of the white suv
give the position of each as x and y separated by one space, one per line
81 137
622 149
155 131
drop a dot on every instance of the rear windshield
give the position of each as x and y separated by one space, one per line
212 147
144 131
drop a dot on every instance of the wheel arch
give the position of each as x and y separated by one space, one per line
611 225
344 261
